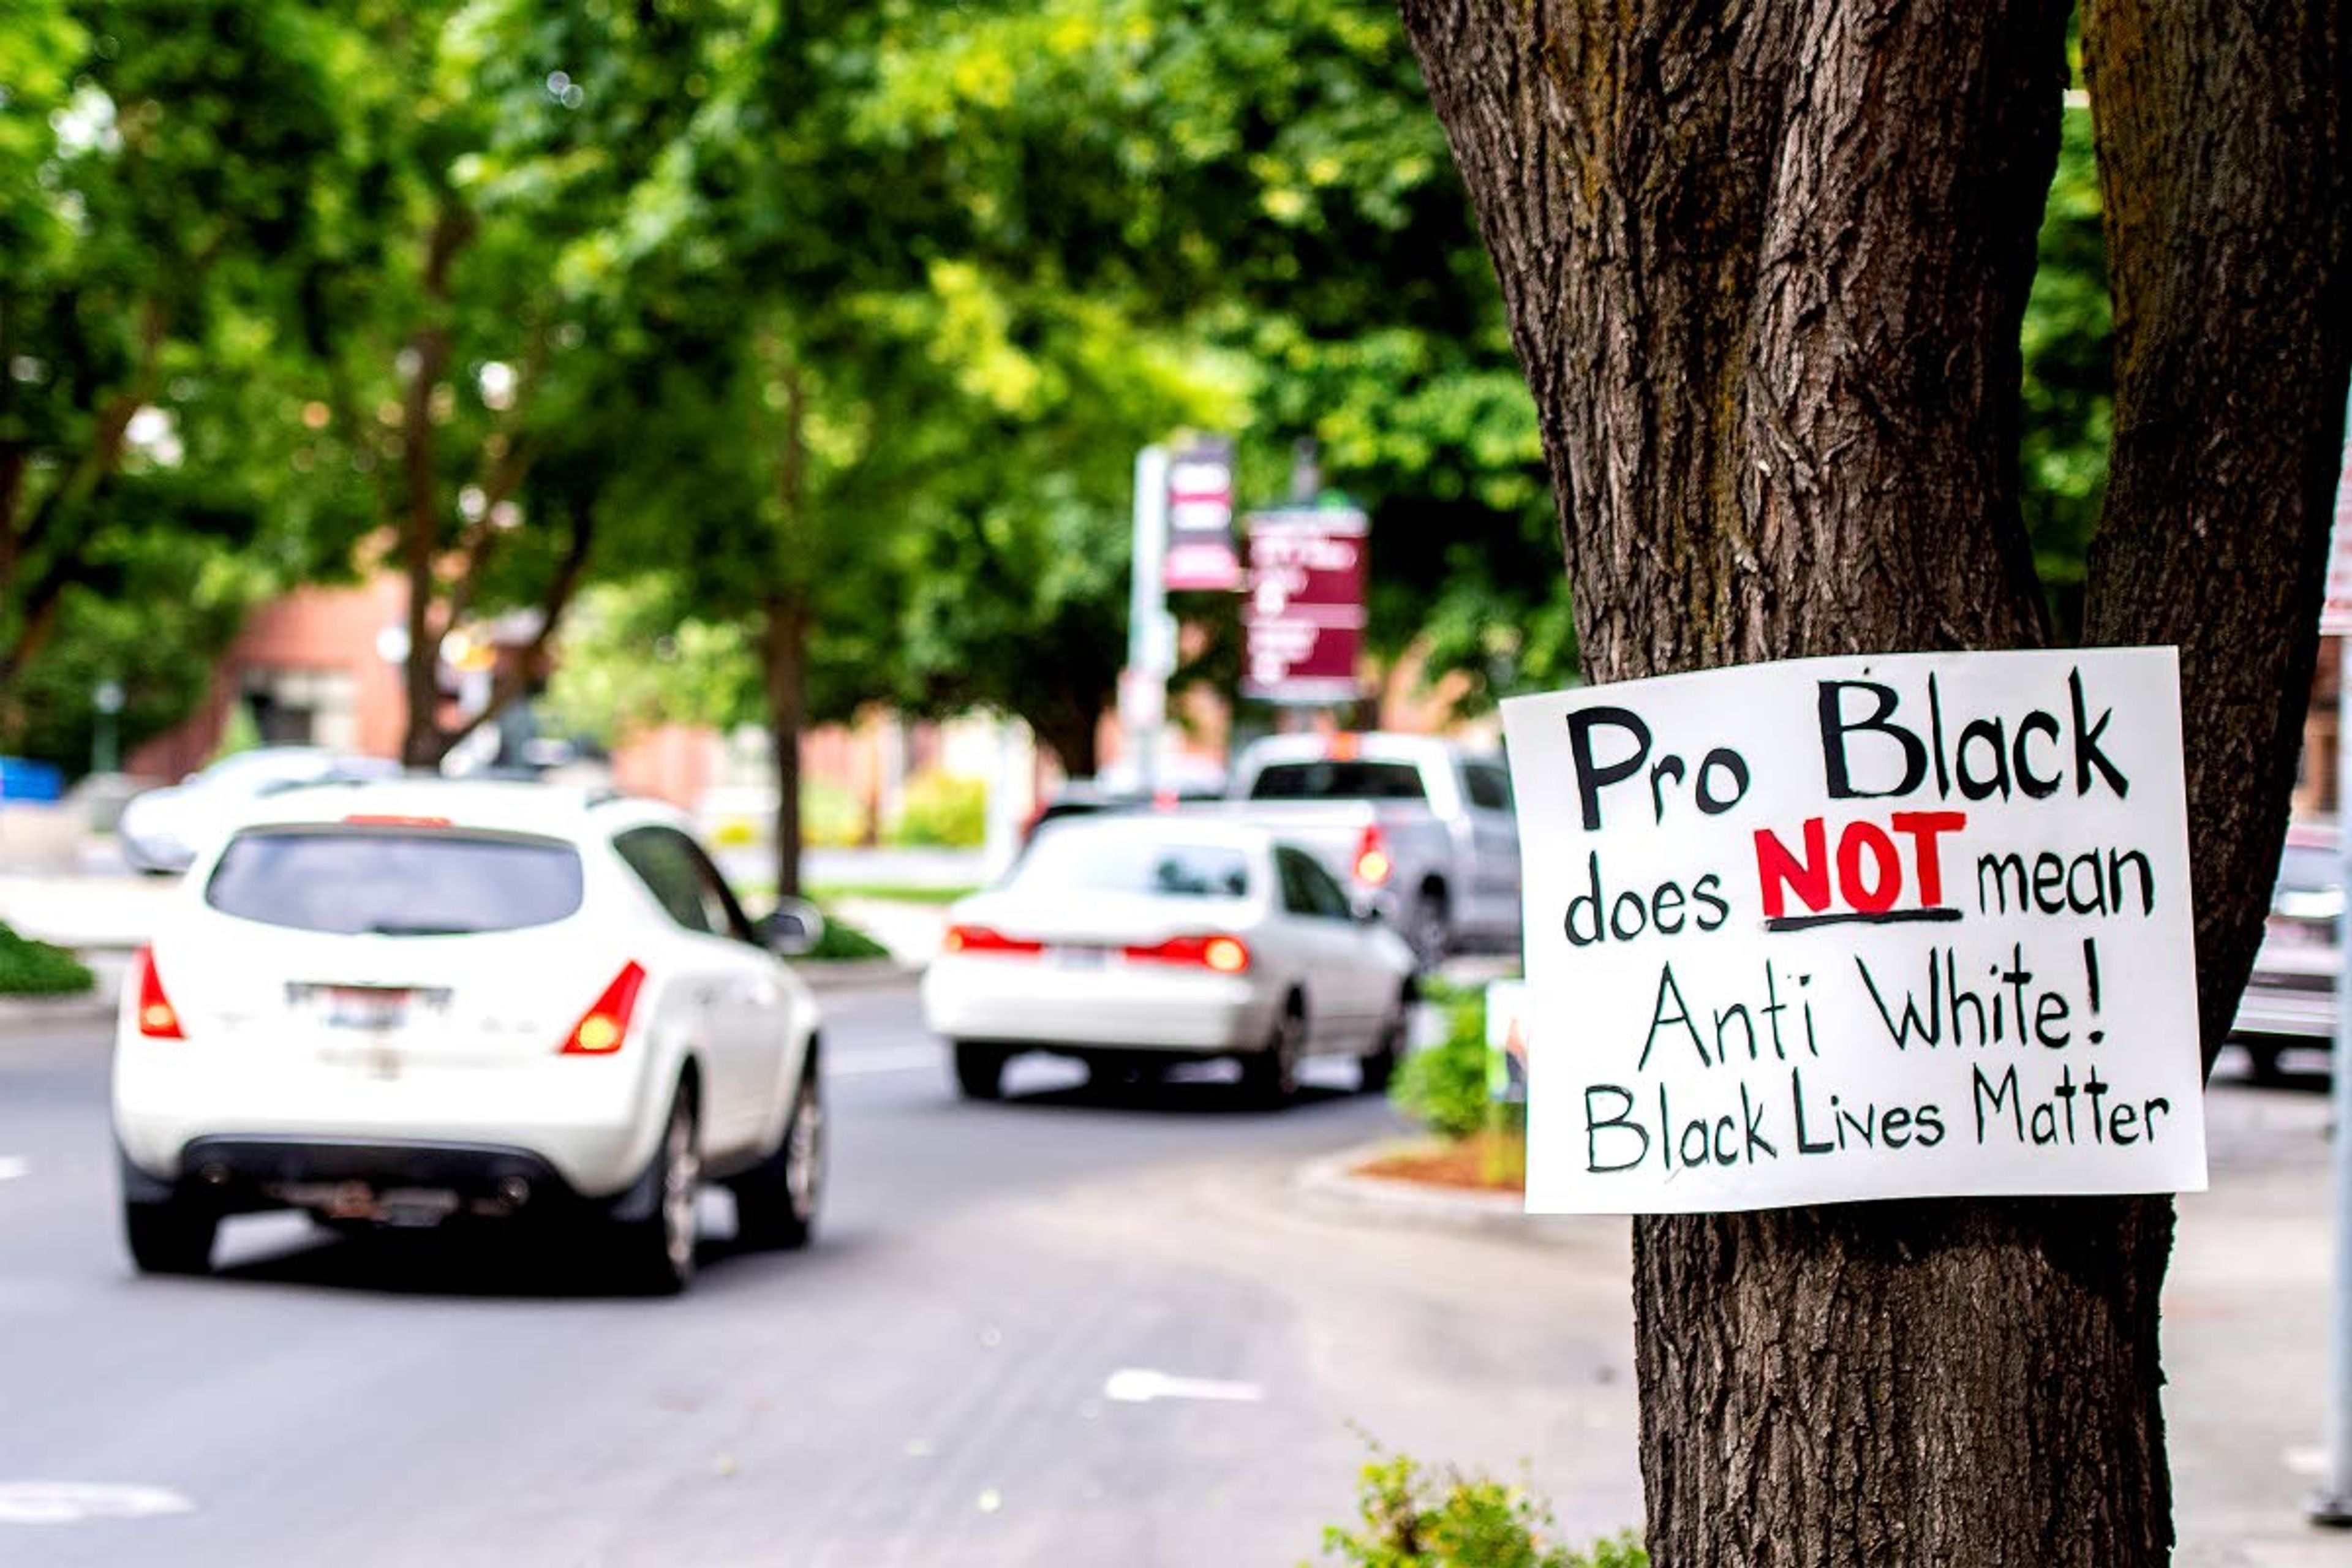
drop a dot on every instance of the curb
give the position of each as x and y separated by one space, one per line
1329 1187
20 1016
1330 1184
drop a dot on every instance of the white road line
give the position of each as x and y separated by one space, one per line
905 1059
11 1167
71 1502
1142 1385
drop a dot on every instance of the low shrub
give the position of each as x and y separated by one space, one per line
1444 1086
943 811
831 817
29 968
843 942
1413 1517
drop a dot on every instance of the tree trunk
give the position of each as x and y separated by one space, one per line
783 648
423 743
1765 268
1068 730
2224 148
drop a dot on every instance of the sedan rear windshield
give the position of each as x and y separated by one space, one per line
1339 781
1102 863
396 883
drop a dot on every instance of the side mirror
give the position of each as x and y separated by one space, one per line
794 928
1363 911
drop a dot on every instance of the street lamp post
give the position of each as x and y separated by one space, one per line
105 739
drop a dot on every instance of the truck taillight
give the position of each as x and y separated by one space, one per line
1225 954
602 1028
1373 866
979 940
158 1019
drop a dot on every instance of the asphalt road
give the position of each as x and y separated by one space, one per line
1077 1328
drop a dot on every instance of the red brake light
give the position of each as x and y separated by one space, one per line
1372 863
1345 747
602 1028
158 1019
382 819
1225 954
981 938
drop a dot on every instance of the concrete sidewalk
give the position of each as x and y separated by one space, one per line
101 914
2246 1308
2245 1315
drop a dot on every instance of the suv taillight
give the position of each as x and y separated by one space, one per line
1372 865
158 1019
602 1028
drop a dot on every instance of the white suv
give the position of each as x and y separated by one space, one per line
411 1001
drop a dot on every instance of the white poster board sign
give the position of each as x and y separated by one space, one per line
1905 926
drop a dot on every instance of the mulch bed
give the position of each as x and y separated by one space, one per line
1466 1164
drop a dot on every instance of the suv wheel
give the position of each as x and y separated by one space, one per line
656 1254
776 1200
170 1237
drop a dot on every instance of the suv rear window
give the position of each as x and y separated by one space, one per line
1339 781
396 883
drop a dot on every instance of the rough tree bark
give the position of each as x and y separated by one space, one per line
2223 142
1765 266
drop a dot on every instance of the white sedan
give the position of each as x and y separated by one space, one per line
410 1002
1129 940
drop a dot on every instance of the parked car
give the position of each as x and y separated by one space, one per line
1147 938
2289 999
1419 829
413 1001
1114 791
161 830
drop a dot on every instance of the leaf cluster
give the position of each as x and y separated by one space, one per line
1410 1517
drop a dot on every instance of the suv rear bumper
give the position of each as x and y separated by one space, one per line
411 1181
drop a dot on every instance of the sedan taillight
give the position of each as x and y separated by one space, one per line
1225 954
158 1019
976 940
602 1028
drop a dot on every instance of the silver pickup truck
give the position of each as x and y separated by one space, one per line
1415 825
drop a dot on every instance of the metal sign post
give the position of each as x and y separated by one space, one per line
1151 640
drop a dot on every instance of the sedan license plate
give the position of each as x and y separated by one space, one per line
1062 957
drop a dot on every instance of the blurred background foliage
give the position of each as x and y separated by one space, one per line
778 355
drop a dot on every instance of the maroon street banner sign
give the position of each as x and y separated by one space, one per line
1305 620
1200 517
